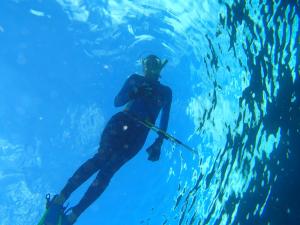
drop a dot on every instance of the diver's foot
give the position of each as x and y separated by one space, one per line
55 209
69 217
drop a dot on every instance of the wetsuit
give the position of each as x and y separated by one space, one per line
122 137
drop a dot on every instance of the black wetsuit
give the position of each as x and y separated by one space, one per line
122 137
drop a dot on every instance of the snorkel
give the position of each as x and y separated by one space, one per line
165 61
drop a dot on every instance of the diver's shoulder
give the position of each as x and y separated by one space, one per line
135 76
167 89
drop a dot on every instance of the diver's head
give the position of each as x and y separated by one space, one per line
152 65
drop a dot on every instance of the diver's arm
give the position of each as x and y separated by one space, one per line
124 95
154 149
164 120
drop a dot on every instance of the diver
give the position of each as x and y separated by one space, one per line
123 137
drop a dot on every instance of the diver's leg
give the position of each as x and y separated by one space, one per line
98 186
84 172
123 148
92 165
120 146
55 206
94 191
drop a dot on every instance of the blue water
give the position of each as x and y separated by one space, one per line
234 71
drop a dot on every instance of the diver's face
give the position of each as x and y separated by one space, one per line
153 74
152 68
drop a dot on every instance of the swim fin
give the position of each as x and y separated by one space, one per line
53 214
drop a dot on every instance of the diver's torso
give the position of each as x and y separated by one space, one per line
148 107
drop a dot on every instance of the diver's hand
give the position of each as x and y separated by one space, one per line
154 150
145 90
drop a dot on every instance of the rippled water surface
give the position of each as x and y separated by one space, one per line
234 71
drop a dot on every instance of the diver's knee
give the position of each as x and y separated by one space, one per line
106 176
